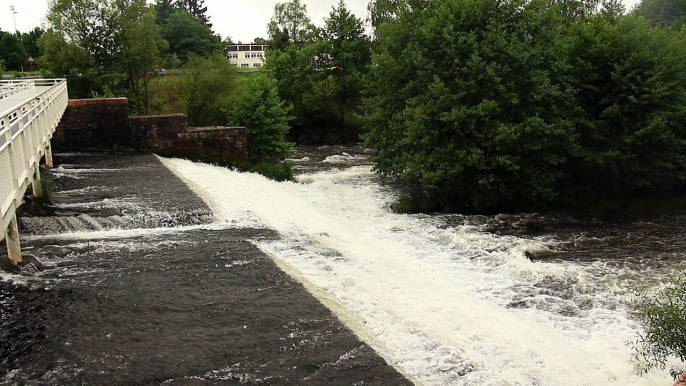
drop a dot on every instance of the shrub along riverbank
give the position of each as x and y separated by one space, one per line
483 106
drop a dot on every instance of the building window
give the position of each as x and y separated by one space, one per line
245 65
257 64
247 54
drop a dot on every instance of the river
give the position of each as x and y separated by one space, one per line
444 299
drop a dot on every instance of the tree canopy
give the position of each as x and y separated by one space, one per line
323 80
197 8
12 52
480 105
664 13
188 36
289 23
94 42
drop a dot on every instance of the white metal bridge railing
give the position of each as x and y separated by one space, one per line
12 87
32 110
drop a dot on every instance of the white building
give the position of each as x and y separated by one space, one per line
247 55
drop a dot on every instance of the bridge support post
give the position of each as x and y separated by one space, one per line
35 184
12 238
48 155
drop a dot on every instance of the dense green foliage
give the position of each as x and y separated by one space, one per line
188 36
197 8
17 51
30 42
205 91
289 24
662 315
262 112
112 48
664 13
481 105
630 129
47 188
165 8
12 53
103 48
322 80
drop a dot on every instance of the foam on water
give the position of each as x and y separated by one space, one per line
445 306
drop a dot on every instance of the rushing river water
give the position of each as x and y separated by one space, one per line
444 299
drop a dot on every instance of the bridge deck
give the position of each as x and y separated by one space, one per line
13 101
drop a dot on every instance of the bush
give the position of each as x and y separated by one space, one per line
486 106
277 171
265 116
663 315
469 111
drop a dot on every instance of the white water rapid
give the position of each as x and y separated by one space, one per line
434 300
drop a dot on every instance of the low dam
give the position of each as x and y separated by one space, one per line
168 271
143 285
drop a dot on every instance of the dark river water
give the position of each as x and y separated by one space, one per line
143 289
165 271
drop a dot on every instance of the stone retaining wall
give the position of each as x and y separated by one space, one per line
104 124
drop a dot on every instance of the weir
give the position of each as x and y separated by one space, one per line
29 113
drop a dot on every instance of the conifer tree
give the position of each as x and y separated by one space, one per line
197 8
164 9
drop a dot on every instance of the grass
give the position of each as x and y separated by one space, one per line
47 187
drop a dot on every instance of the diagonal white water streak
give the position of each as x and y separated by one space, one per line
432 301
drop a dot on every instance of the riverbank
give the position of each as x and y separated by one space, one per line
145 288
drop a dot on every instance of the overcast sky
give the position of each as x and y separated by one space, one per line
242 20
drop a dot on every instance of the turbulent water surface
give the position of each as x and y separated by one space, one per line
444 299
146 287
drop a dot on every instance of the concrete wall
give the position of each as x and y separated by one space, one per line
104 124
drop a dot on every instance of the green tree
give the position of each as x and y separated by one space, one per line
188 36
348 57
164 9
662 315
265 116
206 89
290 23
629 79
93 43
323 80
30 42
469 110
292 67
12 52
197 8
139 54
379 12
664 13
90 24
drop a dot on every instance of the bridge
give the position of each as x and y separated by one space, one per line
29 113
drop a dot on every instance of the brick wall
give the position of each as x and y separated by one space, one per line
104 124
94 123
154 132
